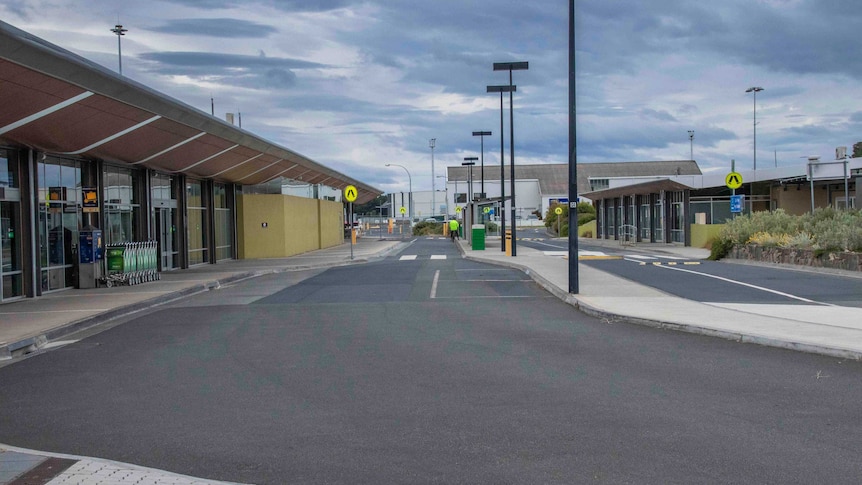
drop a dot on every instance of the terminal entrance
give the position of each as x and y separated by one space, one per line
164 201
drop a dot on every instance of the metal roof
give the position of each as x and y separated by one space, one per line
554 177
58 102
651 187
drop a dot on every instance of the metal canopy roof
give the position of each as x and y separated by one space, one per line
645 188
61 103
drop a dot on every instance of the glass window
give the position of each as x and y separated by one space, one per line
122 210
8 169
223 223
59 220
197 218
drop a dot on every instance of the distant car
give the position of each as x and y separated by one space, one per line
431 219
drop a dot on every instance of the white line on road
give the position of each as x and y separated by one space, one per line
728 280
409 257
434 284
438 256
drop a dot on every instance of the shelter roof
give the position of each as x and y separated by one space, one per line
58 102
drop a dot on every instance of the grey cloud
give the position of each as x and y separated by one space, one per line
285 5
209 60
216 27
657 115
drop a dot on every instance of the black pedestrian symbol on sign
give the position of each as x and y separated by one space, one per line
350 193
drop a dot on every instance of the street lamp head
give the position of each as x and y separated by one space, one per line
511 66
119 30
432 142
481 133
502 89
754 89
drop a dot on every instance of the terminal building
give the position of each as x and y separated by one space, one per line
82 147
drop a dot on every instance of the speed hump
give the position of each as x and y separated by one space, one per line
733 180
350 193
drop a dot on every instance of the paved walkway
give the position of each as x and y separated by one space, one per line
32 324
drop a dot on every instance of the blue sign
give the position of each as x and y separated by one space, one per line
736 202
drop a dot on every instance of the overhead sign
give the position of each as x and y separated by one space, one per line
350 193
736 202
733 180
91 200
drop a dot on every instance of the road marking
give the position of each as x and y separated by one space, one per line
638 256
434 284
748 285
438 256
408 257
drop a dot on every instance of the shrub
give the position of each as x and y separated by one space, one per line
768 239
719 248
584 218
427 228
491 226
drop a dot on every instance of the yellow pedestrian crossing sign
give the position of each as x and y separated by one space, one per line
733 180
403 210
350 193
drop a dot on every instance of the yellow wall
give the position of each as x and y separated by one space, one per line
702 234
588 227
294 225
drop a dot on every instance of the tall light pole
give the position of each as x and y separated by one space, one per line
120 31
501 90
472 161
432 143
410 193
446 193
755 90
482 135
469 166
691 146
512 66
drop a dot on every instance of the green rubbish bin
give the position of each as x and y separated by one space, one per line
478 237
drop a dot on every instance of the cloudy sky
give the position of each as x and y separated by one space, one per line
357 84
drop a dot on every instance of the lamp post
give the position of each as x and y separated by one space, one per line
446 193
432 143
120 31
410 188
755 90
469 166
472 161
482 135
512 66
691 146
501 90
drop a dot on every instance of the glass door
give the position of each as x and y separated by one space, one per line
167 237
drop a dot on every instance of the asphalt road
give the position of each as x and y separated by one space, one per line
717 281
431 371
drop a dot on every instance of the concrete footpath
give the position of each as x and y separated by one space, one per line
29 325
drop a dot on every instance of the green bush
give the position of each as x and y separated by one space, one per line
427 228
720 248
825 230
491 226
584 218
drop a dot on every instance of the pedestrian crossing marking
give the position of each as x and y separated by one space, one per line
409 257
438 256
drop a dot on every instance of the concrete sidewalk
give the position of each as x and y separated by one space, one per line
826 330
